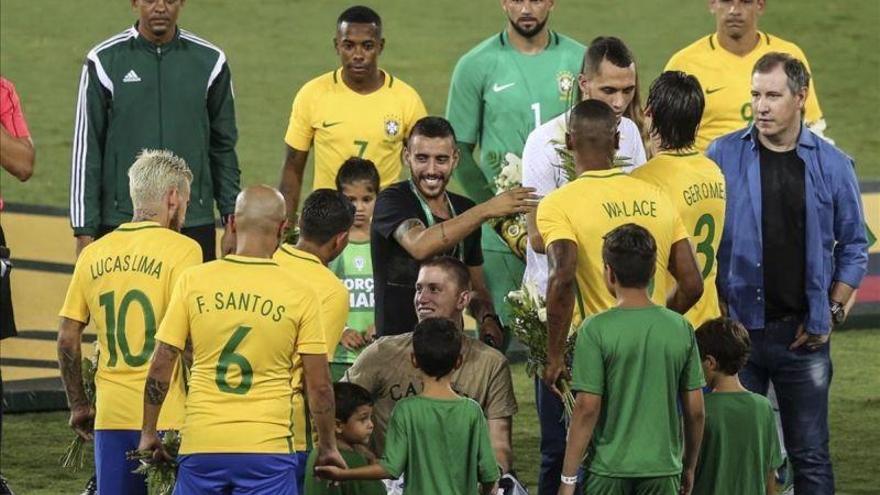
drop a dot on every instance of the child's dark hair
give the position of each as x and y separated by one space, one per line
349 397
437 346
357 169
631 253
727 341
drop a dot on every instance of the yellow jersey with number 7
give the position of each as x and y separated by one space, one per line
248 319
696 187
122 283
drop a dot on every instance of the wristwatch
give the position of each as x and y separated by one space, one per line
837 313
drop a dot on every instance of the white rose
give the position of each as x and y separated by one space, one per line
542 315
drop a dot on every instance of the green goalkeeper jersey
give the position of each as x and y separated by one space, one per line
498 95
355 268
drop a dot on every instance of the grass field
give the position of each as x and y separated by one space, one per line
855 414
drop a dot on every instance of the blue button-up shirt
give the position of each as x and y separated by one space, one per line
836 240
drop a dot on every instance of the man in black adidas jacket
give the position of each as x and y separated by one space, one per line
159 87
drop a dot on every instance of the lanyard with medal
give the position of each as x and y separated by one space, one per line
458 252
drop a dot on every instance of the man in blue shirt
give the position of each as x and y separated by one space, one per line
794 249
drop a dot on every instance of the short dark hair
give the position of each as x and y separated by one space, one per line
452 266
727 341
676 102
357 169
610 48
325 213
437 346
631 252
795 70
360 14
349 397
432 127
592 123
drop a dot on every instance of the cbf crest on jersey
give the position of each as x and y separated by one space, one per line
359 263
564 82
392 126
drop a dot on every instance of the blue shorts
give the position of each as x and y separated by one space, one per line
229 474
302 458
113 471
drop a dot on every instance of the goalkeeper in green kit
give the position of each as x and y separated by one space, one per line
500 91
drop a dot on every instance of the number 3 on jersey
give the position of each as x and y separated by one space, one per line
115 322
707 223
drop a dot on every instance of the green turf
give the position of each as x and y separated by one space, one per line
276 45
33 442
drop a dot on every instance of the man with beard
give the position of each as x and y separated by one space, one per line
417 219
723 64
501 90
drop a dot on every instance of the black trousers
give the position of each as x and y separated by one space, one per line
203 234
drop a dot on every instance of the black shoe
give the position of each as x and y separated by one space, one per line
91 487
4 488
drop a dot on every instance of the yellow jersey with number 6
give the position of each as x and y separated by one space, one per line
122 283
247 319
696 187
343 124
727 83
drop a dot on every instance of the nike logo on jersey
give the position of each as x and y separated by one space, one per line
713 90
499 88
131 77
326 124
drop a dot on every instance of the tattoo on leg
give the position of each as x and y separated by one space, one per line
155 391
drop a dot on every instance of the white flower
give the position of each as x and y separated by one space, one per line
532 291
542 315
516 296
510 175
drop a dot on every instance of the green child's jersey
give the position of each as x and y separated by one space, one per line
740 445
315 486
639 360
355 268
441 446
498 95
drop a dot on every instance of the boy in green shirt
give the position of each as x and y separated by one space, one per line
358 180
354 410
438 440
631 364
740 451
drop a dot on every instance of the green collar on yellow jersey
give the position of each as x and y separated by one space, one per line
601 174
299 253
132 226
248 260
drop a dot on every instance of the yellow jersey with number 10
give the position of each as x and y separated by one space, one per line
343 124
727 83
247 318
123 282
696 187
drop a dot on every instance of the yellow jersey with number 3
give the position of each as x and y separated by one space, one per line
333 300
696 187
343 123
727 83
248 319
592 205
122 283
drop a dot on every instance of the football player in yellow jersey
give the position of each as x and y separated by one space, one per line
693 182
723 63
248 320
327 215
355 110
573 220
124 281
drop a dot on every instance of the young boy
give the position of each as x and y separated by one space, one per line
358 180
631 364
354 409
438 440
740 450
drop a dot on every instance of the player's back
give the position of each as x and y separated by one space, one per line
246 317
696 187
122 283
598 201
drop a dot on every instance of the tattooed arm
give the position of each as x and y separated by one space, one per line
82 415
156 388
562 262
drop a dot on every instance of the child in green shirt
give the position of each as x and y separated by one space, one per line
354 410
632 363
358 180
740 451
438 440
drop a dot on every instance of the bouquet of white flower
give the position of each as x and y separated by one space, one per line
161 476
530 327
74 456
511 228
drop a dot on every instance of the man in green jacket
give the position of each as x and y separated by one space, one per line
153 86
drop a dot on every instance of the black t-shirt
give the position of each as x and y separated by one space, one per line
783 224
394 270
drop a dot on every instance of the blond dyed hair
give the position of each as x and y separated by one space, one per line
154 173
